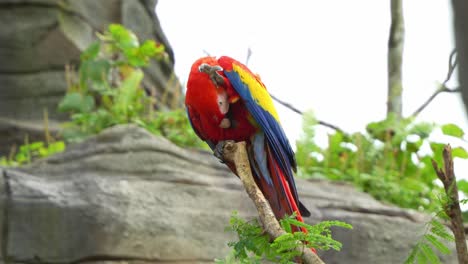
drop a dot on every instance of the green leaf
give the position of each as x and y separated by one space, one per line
463 186
91 52
72 102
459 152
135 58
422 129
438 229
429 253
414 146
414 184
127 92
87 104
286 226
98 70
125 39
76 102
4 161
412 256
437 149
56 147
149 48
452 130
36 145
437 244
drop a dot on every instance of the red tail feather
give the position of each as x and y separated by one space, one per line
291 200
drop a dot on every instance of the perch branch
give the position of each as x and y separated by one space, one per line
237 154
452 209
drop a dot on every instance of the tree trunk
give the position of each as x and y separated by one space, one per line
395 59
460 9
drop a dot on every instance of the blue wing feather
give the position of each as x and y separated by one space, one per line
275 135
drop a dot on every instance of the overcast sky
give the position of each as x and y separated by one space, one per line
328 56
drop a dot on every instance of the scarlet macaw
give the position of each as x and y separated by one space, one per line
226 101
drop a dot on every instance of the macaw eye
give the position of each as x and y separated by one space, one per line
223 102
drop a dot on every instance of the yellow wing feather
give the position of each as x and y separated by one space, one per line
257 90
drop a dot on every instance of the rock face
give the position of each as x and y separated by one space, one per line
128 196
39 37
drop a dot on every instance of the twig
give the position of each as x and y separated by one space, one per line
452 64
442 89
294 109
237 154
249 54
452 209
287 105
290 106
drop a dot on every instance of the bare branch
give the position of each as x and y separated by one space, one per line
452 209
287 105
236 153
294 109
249 54
206 52
452 64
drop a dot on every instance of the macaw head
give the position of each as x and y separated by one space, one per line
206 90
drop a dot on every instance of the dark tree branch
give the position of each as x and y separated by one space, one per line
287 105
452 209
237 154
452 64
294 109
249 54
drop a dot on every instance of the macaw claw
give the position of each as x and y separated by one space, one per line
218 151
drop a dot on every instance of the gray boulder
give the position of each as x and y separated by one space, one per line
128 196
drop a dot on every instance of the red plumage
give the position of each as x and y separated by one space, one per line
211 85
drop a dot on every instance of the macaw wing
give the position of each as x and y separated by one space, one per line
260 104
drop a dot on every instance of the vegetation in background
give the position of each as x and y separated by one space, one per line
432 241
30 151
254 245
109 91
388 162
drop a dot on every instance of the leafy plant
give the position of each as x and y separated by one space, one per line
254 245
32 151
392 161
109 91
433 240
175 126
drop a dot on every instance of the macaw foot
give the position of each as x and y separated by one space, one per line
219 148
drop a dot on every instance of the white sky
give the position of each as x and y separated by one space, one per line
328 56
